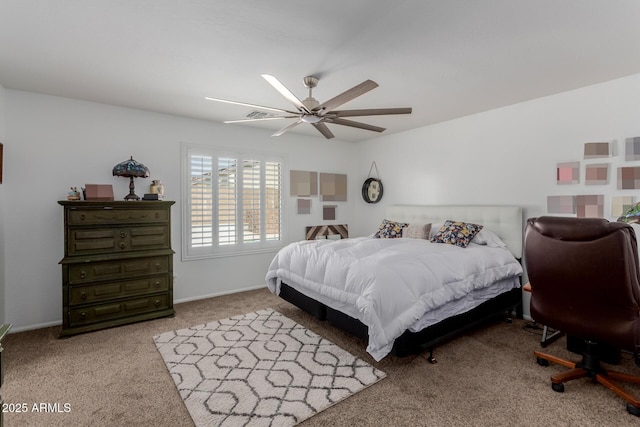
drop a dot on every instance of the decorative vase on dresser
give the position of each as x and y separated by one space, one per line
118 264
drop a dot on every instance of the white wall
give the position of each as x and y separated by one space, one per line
57 143
504 156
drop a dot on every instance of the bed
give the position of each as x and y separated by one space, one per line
404 295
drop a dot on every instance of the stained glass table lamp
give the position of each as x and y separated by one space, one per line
131 169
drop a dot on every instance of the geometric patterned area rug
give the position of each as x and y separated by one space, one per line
260 368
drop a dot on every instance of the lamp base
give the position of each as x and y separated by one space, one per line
132 195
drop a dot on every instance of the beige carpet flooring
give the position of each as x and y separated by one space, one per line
116 377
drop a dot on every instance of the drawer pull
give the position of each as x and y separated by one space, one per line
157 303
83 315
158 266
123 234
123 245
82 217
83 295
157 284
83 274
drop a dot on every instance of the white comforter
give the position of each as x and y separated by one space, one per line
390 283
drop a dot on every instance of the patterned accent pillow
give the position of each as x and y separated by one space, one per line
390 229
456 233
416 231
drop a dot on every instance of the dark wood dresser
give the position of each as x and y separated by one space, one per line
118 264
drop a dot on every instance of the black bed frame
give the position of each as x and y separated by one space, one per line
504 305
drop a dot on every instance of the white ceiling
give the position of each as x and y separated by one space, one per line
444 58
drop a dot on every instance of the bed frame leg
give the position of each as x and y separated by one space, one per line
431 359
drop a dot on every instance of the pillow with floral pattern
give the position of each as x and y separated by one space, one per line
456 233
390 229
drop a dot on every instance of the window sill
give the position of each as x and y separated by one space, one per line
202 256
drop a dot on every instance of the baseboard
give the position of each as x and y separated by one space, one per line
33 327
218 294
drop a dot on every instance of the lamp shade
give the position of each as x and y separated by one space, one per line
631 215
131 169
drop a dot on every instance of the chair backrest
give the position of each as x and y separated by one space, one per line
584 277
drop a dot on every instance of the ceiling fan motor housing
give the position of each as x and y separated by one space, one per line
310 81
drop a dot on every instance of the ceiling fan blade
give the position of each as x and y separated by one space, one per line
261 107
323 129
351 123
369 112
260 119
287 127
347 96
285 92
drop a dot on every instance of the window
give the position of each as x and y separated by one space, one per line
234 202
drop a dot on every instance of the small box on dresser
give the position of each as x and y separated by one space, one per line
118 264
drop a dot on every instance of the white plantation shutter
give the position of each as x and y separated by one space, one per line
227 201
273 203
235 203
251 186
201 197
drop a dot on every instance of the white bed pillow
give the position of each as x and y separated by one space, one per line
417 231
488 238
435 227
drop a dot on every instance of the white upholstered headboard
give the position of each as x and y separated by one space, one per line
505 221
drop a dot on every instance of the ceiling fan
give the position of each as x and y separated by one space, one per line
312 112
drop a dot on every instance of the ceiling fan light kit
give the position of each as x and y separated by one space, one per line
313 112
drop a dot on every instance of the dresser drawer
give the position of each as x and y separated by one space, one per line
84 273
114 290
116 310
104 216
81 241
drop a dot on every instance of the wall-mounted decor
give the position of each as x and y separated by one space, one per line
304 206
303 183
594 150
561 204
568 173
333 187
329 212
621 204
629 178
590 206
632 148
372 189
325 231
597 174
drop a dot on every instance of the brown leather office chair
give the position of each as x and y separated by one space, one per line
585 281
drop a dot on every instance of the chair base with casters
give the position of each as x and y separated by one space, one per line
590 367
